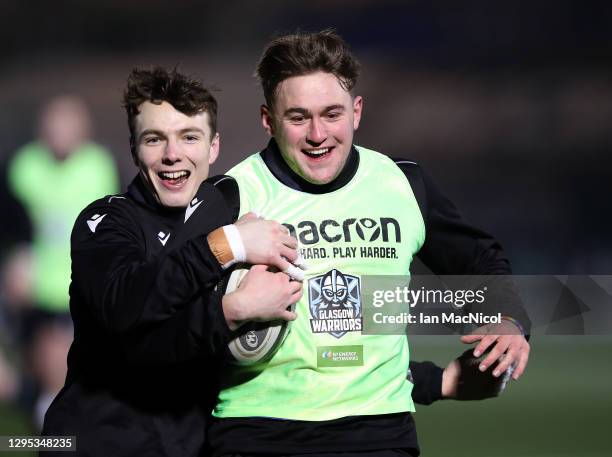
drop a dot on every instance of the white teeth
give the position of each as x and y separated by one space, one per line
173 175
318 152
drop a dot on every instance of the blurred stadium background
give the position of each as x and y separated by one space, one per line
508 104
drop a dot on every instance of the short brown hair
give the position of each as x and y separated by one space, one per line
304 53
157 85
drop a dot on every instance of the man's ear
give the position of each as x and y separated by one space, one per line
133 151
357 108
266 119
214 149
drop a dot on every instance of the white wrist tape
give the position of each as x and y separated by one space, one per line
236 245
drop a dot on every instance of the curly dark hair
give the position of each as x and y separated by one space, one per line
302 53
157 85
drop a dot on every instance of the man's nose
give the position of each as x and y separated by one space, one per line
172 151
317 132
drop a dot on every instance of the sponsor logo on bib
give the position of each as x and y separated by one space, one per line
340 356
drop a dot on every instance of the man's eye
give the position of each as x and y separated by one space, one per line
152 140
191 138
333 115
297 119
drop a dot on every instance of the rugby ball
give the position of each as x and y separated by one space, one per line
253 342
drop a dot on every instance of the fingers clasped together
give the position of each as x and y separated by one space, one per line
270 243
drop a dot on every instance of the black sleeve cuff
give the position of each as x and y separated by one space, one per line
210 328
427 380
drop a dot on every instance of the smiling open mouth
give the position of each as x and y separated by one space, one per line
173 178
318 153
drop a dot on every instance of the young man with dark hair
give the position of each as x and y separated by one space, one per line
326 189
157 252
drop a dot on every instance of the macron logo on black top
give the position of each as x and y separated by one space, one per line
163 237
94 221
193 205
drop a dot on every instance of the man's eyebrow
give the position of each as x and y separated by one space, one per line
150 132
192 129
296 110
334 107
162 134
305 112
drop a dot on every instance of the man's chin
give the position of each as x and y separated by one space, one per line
177 205
319 178
320 182
321 175
173 201
178 198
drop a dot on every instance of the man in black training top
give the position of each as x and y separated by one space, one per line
157 252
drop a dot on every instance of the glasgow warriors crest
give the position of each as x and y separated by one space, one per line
335 303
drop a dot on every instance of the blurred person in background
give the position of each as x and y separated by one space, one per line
53 178
8 379
14 284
